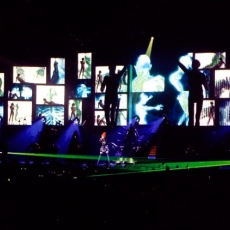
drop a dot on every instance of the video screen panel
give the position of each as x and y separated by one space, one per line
101 72
224 111
57 70
19 113
207 117
123 86
75 110
207 93
84 65
211 60
82 89
222 83
99 118
53 114
2 84
32 75
100 100
20 92
142 78
122 118
50 95
147 107
123 101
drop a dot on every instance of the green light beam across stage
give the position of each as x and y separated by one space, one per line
154 167
134 165
61 156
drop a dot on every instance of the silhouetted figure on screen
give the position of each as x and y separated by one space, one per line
55 76
211 114
11 118
82 68
20 79
111 82
196 80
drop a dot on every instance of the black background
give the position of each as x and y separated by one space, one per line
31 30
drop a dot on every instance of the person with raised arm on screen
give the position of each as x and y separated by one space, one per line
111 84
196 80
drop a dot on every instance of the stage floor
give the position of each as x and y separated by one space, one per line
117 165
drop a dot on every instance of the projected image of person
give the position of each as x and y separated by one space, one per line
111 83
20 78
48 95
101 104
196 79
48 102
82 68
99 81
11 117
75 111
55 75
16 111
51 96
176 79
142 109
144 81
220 64
211 113
211 60
123 87
81 91
101 121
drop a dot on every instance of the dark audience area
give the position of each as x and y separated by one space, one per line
67 196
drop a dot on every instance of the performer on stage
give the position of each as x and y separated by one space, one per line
104 147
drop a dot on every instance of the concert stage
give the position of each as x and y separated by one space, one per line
158 147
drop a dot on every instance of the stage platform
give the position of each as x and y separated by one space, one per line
87 166
160 147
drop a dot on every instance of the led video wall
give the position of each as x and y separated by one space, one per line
158 89
121 113
151 87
